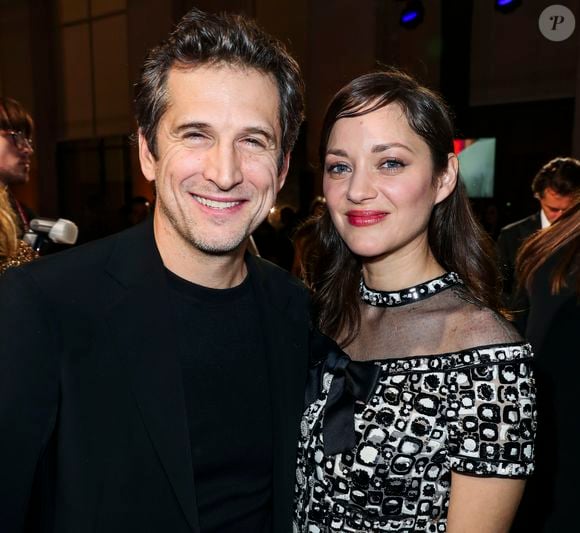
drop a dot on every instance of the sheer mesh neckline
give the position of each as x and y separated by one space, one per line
410 294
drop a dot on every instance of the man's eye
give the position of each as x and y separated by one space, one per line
253 142
194 135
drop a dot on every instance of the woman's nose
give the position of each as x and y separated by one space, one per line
360 188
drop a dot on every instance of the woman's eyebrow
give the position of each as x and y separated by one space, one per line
336 151
383 147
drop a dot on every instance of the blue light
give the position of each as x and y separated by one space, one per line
507 6
412 15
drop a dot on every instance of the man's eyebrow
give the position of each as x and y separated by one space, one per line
377 148
192 126
251 130
257 130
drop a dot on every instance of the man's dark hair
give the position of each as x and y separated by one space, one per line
208 39
13 116
561 174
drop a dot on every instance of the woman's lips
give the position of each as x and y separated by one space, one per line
365 218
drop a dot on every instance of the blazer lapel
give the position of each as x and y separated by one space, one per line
287 345
148 336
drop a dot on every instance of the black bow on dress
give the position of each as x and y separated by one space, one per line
352 381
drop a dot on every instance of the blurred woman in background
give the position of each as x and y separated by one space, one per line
13 251
548 268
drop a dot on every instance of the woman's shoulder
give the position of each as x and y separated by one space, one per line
469 324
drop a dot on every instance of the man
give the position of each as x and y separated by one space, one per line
555 187
15 154
153 381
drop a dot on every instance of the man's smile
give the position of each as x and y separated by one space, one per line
216 204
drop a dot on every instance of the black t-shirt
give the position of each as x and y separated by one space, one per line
228 401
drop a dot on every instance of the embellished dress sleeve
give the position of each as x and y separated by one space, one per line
492 413
24 253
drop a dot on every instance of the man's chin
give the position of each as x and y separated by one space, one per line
221 248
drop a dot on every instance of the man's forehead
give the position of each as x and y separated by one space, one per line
245 91
552 199
222 65
200 78
552 194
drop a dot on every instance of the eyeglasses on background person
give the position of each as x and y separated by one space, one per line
19 139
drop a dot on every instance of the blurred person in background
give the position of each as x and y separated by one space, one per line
317 206
303 239
548 270
16 150
136 210
554 186
13 251
273 237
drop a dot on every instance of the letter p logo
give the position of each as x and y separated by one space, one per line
557 20
557 23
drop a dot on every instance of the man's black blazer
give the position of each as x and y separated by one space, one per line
508 243
93 430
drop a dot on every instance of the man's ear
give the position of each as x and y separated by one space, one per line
447 181
147 159
284 171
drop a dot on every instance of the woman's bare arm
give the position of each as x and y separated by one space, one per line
483 504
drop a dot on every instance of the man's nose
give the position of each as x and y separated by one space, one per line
223 166
26 147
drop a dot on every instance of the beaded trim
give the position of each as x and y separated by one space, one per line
410 294
24 253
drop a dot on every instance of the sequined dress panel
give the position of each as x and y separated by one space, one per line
470 411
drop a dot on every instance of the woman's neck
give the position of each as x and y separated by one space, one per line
398 271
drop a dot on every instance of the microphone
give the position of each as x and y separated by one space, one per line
61 231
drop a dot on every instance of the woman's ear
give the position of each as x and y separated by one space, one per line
447 180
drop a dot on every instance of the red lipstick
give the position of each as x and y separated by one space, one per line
365 218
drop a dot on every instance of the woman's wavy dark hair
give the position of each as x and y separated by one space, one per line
457 240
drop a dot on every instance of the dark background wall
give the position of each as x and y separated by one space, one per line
73 64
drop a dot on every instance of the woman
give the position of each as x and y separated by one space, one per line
548 267
13 252
420 416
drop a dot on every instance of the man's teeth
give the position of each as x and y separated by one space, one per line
214 204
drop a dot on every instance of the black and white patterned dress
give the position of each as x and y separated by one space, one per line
416 418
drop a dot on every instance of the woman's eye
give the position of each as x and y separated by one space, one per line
393 164
337 168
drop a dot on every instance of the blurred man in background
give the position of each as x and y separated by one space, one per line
555 186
